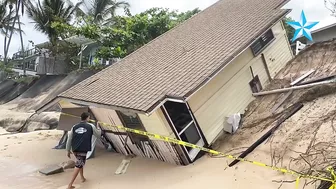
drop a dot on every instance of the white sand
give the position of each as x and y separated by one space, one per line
3 131
21 155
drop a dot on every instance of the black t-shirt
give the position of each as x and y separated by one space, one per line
81 137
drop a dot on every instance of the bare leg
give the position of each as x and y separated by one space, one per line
82 174
75 174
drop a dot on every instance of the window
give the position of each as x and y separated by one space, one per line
262 42
132 121
255 85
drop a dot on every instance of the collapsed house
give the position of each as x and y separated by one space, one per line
187 82
305 143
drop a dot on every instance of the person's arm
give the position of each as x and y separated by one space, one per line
96 132
68 144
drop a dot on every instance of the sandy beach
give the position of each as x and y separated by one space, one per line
22 155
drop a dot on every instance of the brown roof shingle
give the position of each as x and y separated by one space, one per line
177 62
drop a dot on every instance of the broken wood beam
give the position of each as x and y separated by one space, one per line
298 80
295 108
274 109
318 80
293 88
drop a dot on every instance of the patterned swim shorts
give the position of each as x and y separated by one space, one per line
80 160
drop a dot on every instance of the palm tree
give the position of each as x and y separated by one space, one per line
7 23
102 11
49 11
17 3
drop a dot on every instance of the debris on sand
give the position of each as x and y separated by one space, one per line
70 164
305 142
51 170
286 116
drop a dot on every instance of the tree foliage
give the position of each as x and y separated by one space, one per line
289 30
6 68
49 11
102 11
127 33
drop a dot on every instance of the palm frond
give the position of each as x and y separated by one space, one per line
121 4
7 18
48 11
77 10
100 8
104 10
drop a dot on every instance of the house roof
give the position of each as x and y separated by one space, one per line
324 28
320 29
79 40
46 44
180 61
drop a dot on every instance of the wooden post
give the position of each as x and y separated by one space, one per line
266 67
294 88
252 72
80 58
298 80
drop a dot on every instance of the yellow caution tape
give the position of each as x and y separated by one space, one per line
333 175
297 183
214 152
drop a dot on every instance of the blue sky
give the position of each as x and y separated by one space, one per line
314 9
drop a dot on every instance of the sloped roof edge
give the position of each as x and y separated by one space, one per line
324 28
81 102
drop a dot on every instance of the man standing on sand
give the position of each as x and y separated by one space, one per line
79 141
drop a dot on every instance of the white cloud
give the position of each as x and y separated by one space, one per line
181 5
314 9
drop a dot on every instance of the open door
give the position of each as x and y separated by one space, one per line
184 126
